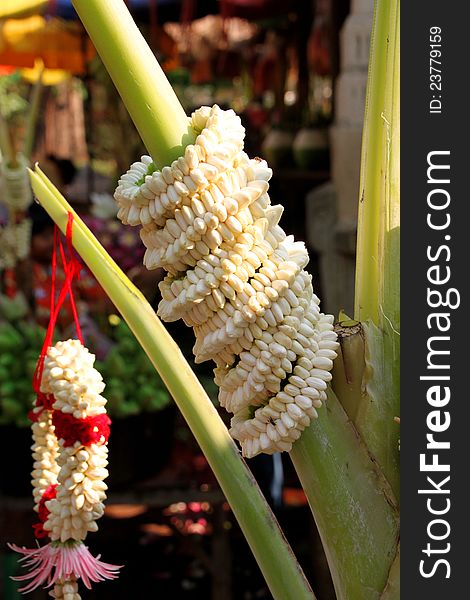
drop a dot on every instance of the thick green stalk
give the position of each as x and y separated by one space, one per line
375 147
378 246
272 552
363 383
139 79
390 299
353 505
350 469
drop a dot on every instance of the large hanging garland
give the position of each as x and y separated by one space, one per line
236 278
70 432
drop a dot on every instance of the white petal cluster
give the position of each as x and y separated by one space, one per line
66 590
16 193
69 375
45 451
15 239
236 278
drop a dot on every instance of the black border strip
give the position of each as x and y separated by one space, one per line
443 562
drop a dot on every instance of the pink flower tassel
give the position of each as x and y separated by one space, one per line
58 561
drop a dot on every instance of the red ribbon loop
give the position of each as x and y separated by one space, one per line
72 272
90 430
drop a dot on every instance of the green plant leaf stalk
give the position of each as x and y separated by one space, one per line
375 161
350 469
139 79
272 552
378 247
353 505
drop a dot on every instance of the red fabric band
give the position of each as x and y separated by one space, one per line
91 430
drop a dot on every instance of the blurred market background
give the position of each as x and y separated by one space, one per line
295 71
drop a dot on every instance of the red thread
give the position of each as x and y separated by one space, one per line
72 271
87 431
74 267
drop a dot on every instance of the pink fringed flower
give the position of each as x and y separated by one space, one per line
60 561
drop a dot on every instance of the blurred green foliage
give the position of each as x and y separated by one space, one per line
13 93
20 346
132 384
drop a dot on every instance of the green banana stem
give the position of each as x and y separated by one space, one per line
378 249
353 505
350 469
378 246
272 552
139 79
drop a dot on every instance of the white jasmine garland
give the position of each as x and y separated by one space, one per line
76 387
236 278
70 432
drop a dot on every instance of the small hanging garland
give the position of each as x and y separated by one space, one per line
70 432
15 242
16 195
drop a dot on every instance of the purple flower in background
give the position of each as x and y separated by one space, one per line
122 242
